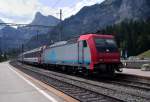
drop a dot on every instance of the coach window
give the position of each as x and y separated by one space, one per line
84 43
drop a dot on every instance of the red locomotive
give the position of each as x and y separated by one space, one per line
90 53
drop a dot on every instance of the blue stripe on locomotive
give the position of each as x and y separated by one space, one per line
52 56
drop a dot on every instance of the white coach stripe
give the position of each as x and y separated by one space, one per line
30 83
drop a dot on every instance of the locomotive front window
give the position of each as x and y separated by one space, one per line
105 45
84 43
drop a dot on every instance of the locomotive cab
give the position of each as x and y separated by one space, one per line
104 54
108 56
107 50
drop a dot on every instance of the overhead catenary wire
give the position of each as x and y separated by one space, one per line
24 25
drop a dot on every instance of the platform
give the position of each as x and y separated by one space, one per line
136 72
14 87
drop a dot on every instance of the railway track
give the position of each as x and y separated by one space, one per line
133 79
87 90
134 84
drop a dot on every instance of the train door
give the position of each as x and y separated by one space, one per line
81 46
80 52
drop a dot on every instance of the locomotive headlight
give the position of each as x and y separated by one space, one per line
100 60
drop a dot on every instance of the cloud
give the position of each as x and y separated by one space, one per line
78 6
23 11
70 9
18 8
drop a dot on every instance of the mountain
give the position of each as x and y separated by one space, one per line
44 20
13 38
131 36
10 38
88 19
33 28
1 26
99 16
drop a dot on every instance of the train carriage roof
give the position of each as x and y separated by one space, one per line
87 36
34 50
58 43
81 37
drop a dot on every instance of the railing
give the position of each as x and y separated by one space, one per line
134 63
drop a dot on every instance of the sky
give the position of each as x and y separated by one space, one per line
23 11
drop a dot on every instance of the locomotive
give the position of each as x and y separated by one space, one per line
89 53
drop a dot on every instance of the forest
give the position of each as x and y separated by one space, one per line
132 37
3 57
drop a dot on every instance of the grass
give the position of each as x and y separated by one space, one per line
145 54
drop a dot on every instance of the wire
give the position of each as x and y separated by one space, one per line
24 25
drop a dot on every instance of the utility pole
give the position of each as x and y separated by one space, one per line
0 45
22 50
0 48
37 36
60 35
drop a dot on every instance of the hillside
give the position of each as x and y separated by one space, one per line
132 36
145 54
1 26
10 38
13 37
39 19
99 16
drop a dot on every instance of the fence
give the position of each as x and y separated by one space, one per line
134 63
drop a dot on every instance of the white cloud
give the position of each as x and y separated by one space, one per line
18 8
23 11
78 6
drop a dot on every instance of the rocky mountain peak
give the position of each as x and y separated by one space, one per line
38 15
1 26
134 9
40 19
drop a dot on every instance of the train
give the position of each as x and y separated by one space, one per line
88 54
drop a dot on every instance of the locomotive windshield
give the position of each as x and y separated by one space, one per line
106 45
